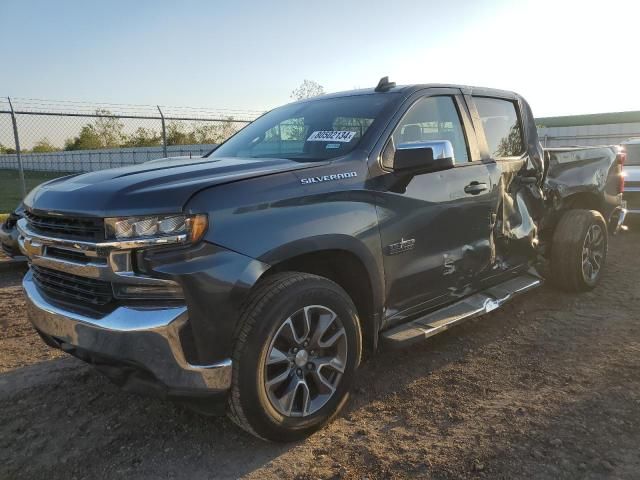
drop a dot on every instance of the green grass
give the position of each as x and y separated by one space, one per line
10 190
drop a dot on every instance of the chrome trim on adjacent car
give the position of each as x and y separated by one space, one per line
148 337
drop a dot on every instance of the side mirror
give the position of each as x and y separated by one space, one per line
424 157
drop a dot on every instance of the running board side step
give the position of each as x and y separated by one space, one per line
445 318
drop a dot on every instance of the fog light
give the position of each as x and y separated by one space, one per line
169 291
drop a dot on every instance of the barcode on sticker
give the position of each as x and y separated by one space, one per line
331 136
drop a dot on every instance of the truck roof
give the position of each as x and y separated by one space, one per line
409 89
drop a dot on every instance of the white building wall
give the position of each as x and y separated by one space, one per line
92 160
588 135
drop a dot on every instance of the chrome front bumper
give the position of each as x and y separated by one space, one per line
146 338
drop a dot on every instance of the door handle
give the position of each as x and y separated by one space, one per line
474 188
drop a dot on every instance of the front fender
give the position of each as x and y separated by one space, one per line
275 218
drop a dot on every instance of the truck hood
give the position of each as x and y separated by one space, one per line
151 188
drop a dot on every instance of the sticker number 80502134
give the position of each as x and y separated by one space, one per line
331 136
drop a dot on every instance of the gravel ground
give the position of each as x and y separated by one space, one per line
547 387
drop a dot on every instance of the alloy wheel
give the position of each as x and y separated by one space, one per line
593 251
305 361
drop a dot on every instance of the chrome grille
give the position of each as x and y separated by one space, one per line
75 228
72 288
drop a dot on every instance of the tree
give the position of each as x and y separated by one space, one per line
307 89
511 144
143 137
106 131
177 134
216 132
44 146
88 139
109 129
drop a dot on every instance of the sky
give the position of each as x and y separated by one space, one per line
564 56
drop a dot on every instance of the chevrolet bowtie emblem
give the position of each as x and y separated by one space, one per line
31 248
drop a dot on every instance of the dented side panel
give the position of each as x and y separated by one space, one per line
519 214
459 242
582 171
436 238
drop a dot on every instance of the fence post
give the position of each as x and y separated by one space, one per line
17 142
164 134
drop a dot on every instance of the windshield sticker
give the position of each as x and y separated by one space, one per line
332 146
331 136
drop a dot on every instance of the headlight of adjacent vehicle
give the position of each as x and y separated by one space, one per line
156 226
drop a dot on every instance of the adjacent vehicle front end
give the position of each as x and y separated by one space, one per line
9 235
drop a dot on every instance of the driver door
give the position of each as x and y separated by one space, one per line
435 227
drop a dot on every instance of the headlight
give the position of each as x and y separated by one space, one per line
128 228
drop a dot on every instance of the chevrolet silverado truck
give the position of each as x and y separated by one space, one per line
254 280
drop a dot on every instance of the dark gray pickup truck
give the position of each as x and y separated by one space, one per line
257 277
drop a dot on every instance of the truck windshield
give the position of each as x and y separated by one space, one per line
310 131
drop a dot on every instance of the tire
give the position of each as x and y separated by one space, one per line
273 323
580 239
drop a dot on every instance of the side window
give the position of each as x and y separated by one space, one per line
431 118
501 126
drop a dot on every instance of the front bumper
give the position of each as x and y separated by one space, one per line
143 342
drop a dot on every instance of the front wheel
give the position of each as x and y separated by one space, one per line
295 357
579 250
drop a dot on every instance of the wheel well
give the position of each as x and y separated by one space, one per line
345 269
577 201
585 200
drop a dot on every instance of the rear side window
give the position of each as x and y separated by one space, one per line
501 126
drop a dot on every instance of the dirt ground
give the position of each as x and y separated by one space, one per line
548 387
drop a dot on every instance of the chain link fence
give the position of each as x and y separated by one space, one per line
43 139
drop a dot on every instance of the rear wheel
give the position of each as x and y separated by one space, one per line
295 357
579 250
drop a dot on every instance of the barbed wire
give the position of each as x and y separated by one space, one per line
44 106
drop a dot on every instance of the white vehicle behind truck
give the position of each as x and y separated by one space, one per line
632 177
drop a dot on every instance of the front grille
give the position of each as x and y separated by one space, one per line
73 255
72 288
629 183
75 228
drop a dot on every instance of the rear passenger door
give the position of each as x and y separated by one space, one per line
435 227
500 122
